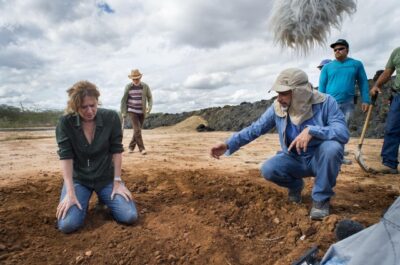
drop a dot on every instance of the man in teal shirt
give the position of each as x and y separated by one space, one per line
339 78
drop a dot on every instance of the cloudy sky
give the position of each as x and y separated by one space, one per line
193 53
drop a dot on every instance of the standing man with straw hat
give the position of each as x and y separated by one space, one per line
136 102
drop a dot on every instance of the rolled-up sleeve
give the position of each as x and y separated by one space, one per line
65 150
116 135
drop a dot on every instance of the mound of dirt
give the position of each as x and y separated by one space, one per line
188 125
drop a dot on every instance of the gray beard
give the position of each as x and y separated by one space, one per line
284 109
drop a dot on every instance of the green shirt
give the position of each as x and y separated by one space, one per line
394 63
92 163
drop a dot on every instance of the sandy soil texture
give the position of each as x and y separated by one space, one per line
193 209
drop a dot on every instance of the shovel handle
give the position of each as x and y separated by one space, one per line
373 101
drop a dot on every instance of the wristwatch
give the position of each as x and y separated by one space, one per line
117 178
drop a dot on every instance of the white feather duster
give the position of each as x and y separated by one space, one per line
301 24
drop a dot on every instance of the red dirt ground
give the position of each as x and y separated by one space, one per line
193 209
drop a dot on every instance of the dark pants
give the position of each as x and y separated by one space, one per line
391 141
137 123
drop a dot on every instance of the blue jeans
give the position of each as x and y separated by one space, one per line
347 108
391 140
288 169
122 211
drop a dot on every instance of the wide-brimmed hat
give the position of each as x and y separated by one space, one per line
135 74
303 96
340 42
289 79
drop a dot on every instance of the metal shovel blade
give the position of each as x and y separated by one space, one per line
361 162
358 155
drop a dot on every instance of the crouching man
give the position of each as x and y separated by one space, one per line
312 133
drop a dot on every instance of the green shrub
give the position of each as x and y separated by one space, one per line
14 117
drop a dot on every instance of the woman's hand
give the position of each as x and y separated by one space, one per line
119 188
65 204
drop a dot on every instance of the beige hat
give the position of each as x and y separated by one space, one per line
303 95
135 74
289 79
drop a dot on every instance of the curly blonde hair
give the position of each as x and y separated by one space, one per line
76 94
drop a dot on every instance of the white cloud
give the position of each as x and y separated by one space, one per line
193 54
207 81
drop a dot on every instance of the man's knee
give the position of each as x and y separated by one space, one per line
332 149
268 171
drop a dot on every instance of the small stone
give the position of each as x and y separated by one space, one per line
239 190
157 253
303 237
276 220
89 253
79 260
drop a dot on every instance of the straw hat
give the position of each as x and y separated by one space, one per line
135 74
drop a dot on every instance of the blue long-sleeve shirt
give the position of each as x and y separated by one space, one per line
338 79
327 123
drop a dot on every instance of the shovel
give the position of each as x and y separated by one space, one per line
358 154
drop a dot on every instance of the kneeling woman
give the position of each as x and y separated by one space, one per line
90 146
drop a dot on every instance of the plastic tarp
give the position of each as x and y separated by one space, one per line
377 244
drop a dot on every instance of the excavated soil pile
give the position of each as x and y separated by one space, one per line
193 210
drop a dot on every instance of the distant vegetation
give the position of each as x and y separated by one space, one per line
14 117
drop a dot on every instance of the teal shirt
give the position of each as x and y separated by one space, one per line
338 79
92 163
394 63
